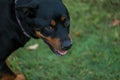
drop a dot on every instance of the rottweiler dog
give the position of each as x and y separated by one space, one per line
21 20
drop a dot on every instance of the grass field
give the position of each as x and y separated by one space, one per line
95 54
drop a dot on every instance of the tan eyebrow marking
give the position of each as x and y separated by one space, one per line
63 18
53 23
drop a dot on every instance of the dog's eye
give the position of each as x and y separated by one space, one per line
65 20
49 28
47 31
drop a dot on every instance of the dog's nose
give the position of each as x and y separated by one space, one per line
66 45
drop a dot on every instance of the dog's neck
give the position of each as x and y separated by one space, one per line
20 24
20 37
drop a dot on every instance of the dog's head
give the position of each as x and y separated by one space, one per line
46 19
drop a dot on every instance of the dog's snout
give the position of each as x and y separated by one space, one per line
66 45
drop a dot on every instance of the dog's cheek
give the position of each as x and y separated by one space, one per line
55 42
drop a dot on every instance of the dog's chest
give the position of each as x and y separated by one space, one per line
11 43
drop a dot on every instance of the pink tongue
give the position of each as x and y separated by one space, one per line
62 52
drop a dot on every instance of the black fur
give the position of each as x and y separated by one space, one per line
33 15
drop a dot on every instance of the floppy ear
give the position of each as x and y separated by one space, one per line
28 7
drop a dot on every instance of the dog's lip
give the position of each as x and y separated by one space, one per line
59 52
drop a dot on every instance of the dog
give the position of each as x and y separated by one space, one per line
21 20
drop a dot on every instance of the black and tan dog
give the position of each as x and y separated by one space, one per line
21 20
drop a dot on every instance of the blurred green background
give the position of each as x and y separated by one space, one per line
95 54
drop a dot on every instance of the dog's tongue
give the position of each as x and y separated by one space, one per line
62 52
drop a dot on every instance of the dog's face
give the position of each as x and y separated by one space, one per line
46 19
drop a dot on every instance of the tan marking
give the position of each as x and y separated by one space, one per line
53 23
55 42
20 77
11 77
63 18
8 77
39 35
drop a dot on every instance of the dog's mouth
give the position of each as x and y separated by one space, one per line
53 49
56 51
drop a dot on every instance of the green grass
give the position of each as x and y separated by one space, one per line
95 54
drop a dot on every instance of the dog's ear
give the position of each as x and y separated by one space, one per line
28 7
